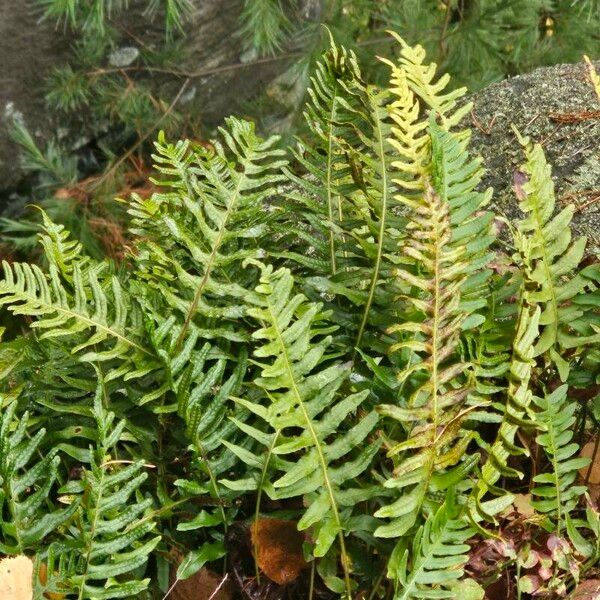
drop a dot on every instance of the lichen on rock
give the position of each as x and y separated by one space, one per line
557 107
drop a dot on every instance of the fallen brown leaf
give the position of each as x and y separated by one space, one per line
593 469
278 547
522 504
204 585
587 590
16 575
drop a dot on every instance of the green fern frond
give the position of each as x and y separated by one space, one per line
203 381
197 233
332 117
555 258
302 395
518 394
27 483
422 79
108 540
434 564
346 197
95 309
59 249
590 548
557 493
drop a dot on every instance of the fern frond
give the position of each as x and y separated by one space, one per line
332 117
557 493
518 394
96 308
198 232
422 79
433 565
203 381
346 198
303 397
27 484
59 249
109 541
443 269
555 258
593 75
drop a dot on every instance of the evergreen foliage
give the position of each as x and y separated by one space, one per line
338 339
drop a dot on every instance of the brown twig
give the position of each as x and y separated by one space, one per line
574 117
590 196
477 123
144 137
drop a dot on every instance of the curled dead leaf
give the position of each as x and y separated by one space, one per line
278 547
16 575
44 579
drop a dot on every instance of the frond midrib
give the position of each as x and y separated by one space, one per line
51 307
313 433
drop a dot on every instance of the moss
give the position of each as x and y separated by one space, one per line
529 101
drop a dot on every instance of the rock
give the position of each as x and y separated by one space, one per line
31 48
549 105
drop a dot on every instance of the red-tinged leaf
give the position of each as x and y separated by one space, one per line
519 180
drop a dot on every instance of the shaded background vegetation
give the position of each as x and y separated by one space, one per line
99 78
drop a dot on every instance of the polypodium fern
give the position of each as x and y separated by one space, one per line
345 201
443 271
302 406
224 382
27 483
557 493
59 249
331 117
555 258
196 233
203 388
82 300
113 533
432 566
422 80
518 394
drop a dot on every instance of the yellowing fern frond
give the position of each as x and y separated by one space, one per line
594 77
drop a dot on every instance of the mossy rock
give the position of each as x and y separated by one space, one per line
557 107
